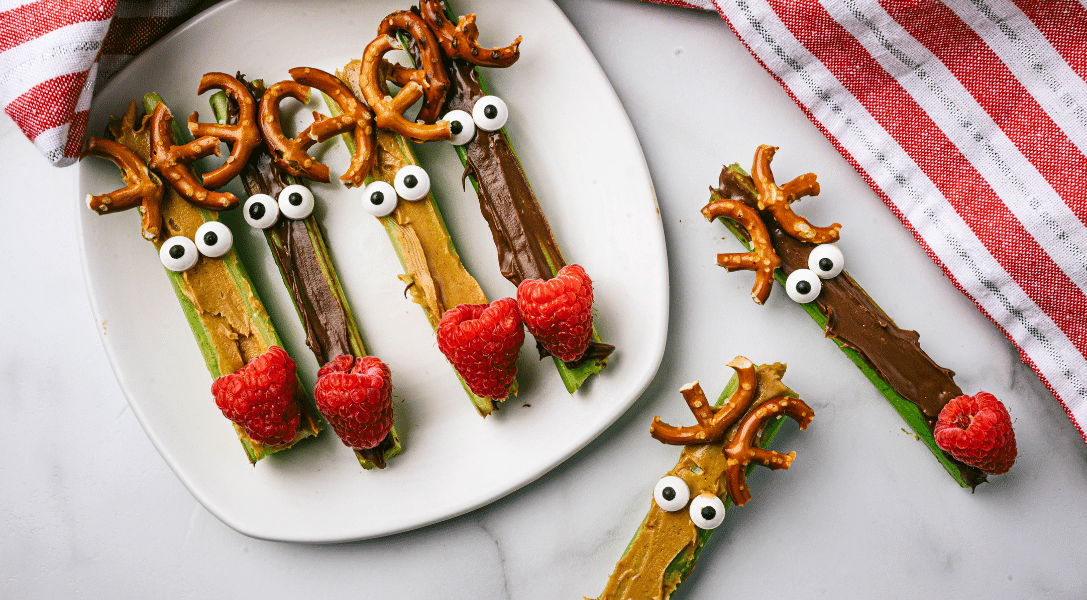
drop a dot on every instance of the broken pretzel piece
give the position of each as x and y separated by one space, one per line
143 187
460 41
763 260
712 421
776 199
354 118
243 136
172 162
432 76
740 449
389 110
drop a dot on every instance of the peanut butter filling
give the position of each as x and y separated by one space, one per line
215 295
436 279
666 545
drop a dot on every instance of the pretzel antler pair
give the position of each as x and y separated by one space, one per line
775 199
292 154
713 425
389 110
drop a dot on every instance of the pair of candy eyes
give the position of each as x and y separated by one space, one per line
179 253
707 510
824 262
489 113
295 202
411 183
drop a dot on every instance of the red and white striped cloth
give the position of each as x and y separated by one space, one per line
53 54
967 117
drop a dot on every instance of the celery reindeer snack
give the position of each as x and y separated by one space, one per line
256 383
691 500
971 436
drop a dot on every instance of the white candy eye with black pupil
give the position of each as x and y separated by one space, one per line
261 211
296 202
213 239
178 254
707 511
671 493
412 183
490 113
379 199
826 261
461 126
803 286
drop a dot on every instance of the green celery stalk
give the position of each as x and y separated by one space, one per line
255 309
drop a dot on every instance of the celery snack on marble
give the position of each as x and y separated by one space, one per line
690 502
890 357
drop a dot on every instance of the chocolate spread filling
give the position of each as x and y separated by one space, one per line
857 322
322 313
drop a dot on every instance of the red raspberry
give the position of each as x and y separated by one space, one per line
356 401
262 397
559 312
482 342
977 431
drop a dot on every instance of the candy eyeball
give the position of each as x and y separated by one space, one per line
826 261
671 493
379 199
707 511
803 286
296 202
261 211
461 126
213 239
178 254
412 183
490 113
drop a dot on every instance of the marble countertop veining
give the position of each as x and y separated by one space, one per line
88 509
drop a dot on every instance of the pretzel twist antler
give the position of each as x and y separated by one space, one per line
741 453
291 154
389 111
354 117
143 187
431 76
460 41
776 199
712 421
763 260
244 136
172 162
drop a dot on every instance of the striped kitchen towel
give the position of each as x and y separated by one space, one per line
969 119
54 53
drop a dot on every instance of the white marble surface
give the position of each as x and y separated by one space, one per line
89 509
